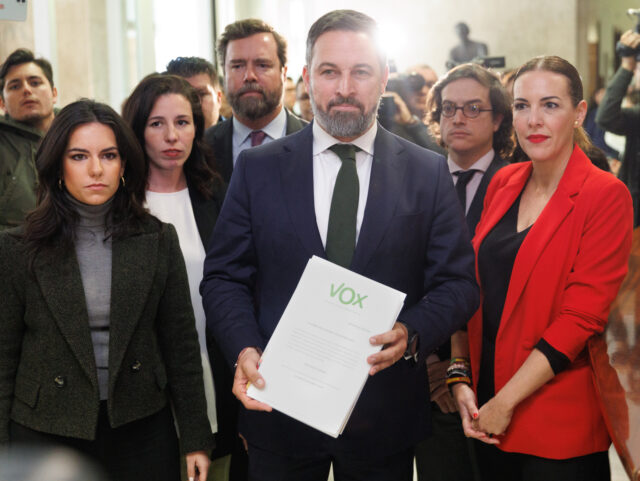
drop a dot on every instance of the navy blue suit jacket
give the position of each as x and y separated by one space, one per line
413 238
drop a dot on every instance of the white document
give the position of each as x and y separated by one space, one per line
315 364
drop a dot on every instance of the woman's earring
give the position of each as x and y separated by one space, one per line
60 184
122 179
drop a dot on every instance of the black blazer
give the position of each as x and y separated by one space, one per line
206 213
48 378
220 138
412 238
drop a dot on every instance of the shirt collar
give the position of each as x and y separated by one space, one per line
322 140
274 129
482 164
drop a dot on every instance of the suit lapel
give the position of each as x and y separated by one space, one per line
59 278
133 270
205 213
223 148
552 216
475 209
385 185
296 177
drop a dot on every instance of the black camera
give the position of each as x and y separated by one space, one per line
624 50
404 85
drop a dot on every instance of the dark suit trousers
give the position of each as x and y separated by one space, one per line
146 449
268 466
497 465
447 454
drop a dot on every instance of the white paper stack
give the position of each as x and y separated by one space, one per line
315 364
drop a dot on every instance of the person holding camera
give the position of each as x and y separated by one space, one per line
625 121
403 109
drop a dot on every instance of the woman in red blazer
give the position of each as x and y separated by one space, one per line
552 248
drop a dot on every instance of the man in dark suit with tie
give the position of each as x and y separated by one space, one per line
471 115
254 59
343 189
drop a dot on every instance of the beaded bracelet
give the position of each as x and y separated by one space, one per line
459 371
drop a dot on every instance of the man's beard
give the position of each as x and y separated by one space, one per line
342 124
253 108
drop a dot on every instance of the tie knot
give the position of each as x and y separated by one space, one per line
345 151
464 176
257 136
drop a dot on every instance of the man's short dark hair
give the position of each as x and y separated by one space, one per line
349 20
20 56
189 66
247 28
498 96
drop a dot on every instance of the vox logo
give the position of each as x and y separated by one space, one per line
346 295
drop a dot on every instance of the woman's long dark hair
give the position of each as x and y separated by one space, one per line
53 221
199 168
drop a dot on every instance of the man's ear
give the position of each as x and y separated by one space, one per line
497 121
55 94
305 78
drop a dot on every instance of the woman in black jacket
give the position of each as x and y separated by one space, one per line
97 333
184 189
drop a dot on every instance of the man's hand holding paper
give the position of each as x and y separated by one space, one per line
395 344
247 373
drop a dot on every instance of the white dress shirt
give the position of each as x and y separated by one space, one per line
481 165
326 165
275 129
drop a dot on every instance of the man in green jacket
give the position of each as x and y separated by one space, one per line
27 95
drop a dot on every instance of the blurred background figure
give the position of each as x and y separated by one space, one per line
597 135
289 99
303 103
430 76
203 77
467 49
32 463
615 117
28 96
403 110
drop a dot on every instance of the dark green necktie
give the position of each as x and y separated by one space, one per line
341 233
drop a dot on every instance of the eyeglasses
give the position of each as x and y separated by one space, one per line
470 110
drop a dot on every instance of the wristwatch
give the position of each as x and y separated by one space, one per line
412 343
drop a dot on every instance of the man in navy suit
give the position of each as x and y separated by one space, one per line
376 204
471 114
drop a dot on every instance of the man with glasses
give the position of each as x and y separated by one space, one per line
470 113
202 76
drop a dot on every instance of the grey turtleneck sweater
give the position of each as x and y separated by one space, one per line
94 257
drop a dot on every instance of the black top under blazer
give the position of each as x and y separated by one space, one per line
48 378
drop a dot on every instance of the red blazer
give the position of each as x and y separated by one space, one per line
565 277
